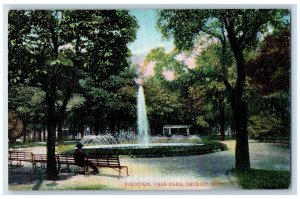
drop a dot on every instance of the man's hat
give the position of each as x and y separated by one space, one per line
79 145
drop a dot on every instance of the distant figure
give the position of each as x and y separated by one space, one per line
80 158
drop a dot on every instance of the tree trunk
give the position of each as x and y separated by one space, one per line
51 128
239 107
112 126
222 116
82 125
118 126
34 131
242 148
44 134
40 135
24 132
96 126
59 132
97 121
61 115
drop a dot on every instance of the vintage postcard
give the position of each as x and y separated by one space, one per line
149 99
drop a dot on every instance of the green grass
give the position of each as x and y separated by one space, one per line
61 188
85 187
20 187
264 179
217 137
65 147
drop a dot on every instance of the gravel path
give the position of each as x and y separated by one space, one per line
199 172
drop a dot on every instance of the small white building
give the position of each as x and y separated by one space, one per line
168 130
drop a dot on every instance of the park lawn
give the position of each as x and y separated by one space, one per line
65 147
264 179
29 187
85 187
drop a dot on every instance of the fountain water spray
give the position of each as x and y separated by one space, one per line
143 126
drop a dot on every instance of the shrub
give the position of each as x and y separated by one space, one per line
158 151
264 125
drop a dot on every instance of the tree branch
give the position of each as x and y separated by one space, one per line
65 101
227 84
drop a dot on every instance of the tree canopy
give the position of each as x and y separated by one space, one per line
70 71
242 29
54 49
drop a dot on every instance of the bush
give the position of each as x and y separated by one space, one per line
264 125
158 151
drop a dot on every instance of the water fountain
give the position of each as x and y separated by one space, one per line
142 122
141 143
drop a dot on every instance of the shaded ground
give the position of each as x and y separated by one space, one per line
199 172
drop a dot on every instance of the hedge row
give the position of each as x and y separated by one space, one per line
159 151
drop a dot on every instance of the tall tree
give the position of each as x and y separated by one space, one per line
58 47
269 78
214 64
163 105
269 71
241 28
28 103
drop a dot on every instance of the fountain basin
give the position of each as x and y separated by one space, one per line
141 146
154 149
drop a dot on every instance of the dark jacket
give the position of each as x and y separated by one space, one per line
79 157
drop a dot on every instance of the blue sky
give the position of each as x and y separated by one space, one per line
148 37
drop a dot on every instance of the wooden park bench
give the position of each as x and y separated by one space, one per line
279 141
66 160
99 161
108 162
19 157
39 158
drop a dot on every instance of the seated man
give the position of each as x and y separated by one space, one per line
80 158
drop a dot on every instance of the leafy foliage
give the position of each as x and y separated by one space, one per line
242 29
53 49
269 74
269 71
14 126
184 26
264 125
163 105
28 103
